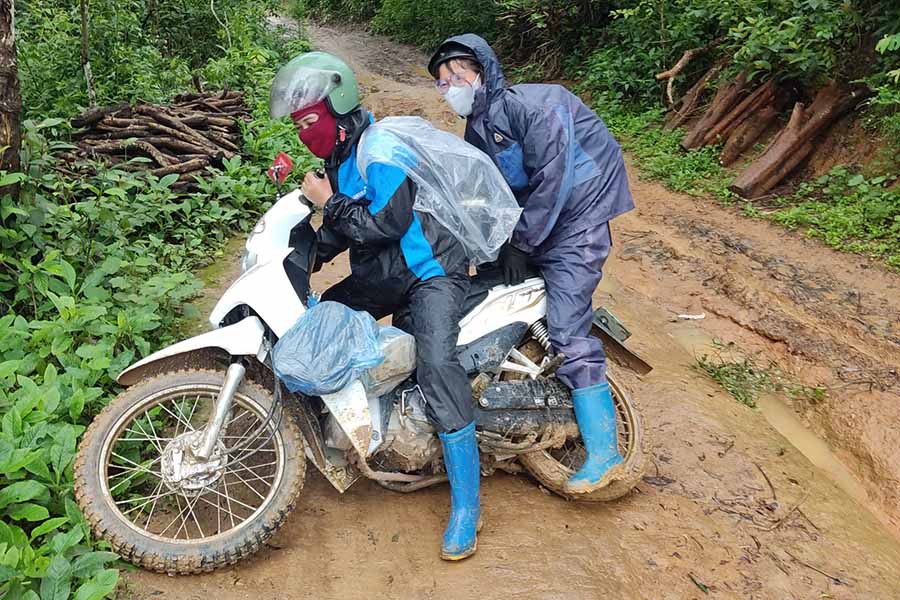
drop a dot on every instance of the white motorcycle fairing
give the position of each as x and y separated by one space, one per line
244 338
267 290
523 303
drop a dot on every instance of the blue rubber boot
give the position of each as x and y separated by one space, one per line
596 417
461 460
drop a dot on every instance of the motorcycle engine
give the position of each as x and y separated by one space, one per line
410 442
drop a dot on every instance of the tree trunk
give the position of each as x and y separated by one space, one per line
85 59
794 143
745 135
762 96
726 99
10 96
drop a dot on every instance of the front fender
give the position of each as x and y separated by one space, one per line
244 338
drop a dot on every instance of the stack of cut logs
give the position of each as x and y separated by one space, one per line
184 138
741 113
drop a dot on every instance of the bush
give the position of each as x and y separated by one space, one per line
427 23
342 10
96 272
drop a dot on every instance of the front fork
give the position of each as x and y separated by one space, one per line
204 447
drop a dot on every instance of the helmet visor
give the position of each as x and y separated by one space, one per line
297 87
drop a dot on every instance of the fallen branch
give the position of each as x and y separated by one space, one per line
692 98
835 580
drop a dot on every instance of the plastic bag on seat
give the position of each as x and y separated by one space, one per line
329 346
457 183
399 349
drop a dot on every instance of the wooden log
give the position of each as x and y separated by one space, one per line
794 142
763 95
92 147
221 141
195 141
154 153
120 134
187 166
745 135
726 98
89 117
175 128
111 122
176 145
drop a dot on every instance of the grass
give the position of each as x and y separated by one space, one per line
848 212
660 156
745 380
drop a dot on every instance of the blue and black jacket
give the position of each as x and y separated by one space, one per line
390 243
557 155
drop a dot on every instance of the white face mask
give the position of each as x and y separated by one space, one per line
462 98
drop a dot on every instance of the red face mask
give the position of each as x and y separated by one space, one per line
321 136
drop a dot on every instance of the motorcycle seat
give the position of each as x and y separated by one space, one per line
485 280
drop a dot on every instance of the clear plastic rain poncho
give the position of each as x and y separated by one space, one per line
457 183
296 87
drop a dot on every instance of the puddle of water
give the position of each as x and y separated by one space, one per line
786 422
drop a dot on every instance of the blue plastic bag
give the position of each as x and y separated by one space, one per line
329 346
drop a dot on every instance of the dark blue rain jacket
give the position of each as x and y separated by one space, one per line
557 155
390 244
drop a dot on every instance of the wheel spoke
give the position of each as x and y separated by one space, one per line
172 522
235 500
144 432
228 512
194 515
178 420
153 507
246 483
227 500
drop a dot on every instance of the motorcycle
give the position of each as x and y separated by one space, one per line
202 457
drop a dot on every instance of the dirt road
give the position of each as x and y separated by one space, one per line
731 509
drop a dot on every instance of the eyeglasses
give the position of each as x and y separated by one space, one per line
455 80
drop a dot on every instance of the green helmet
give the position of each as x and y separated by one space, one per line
310 78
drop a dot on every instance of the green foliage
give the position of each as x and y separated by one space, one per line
95 272
342 10
426 23
849 212
745 379
139 49
659 155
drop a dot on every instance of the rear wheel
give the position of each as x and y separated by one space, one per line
553 467
160 508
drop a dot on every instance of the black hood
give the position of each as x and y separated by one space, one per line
354 124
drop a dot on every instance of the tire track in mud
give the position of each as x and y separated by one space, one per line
728 502
829 319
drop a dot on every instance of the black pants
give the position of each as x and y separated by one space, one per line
429 310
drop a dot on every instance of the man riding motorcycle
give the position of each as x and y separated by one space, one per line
569 177
401 260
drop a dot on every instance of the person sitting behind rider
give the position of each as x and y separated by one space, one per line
569 177
400 260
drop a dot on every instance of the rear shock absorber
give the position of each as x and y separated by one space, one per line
540 333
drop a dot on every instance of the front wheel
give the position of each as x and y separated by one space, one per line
165 510
553 467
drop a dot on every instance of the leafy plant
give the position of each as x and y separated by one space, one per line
95 271
848 211
745 380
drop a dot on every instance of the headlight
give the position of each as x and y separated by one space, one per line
248 261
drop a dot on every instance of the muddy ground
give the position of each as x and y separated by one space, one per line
730 508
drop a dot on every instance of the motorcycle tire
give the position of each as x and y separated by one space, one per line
552 468
154 551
